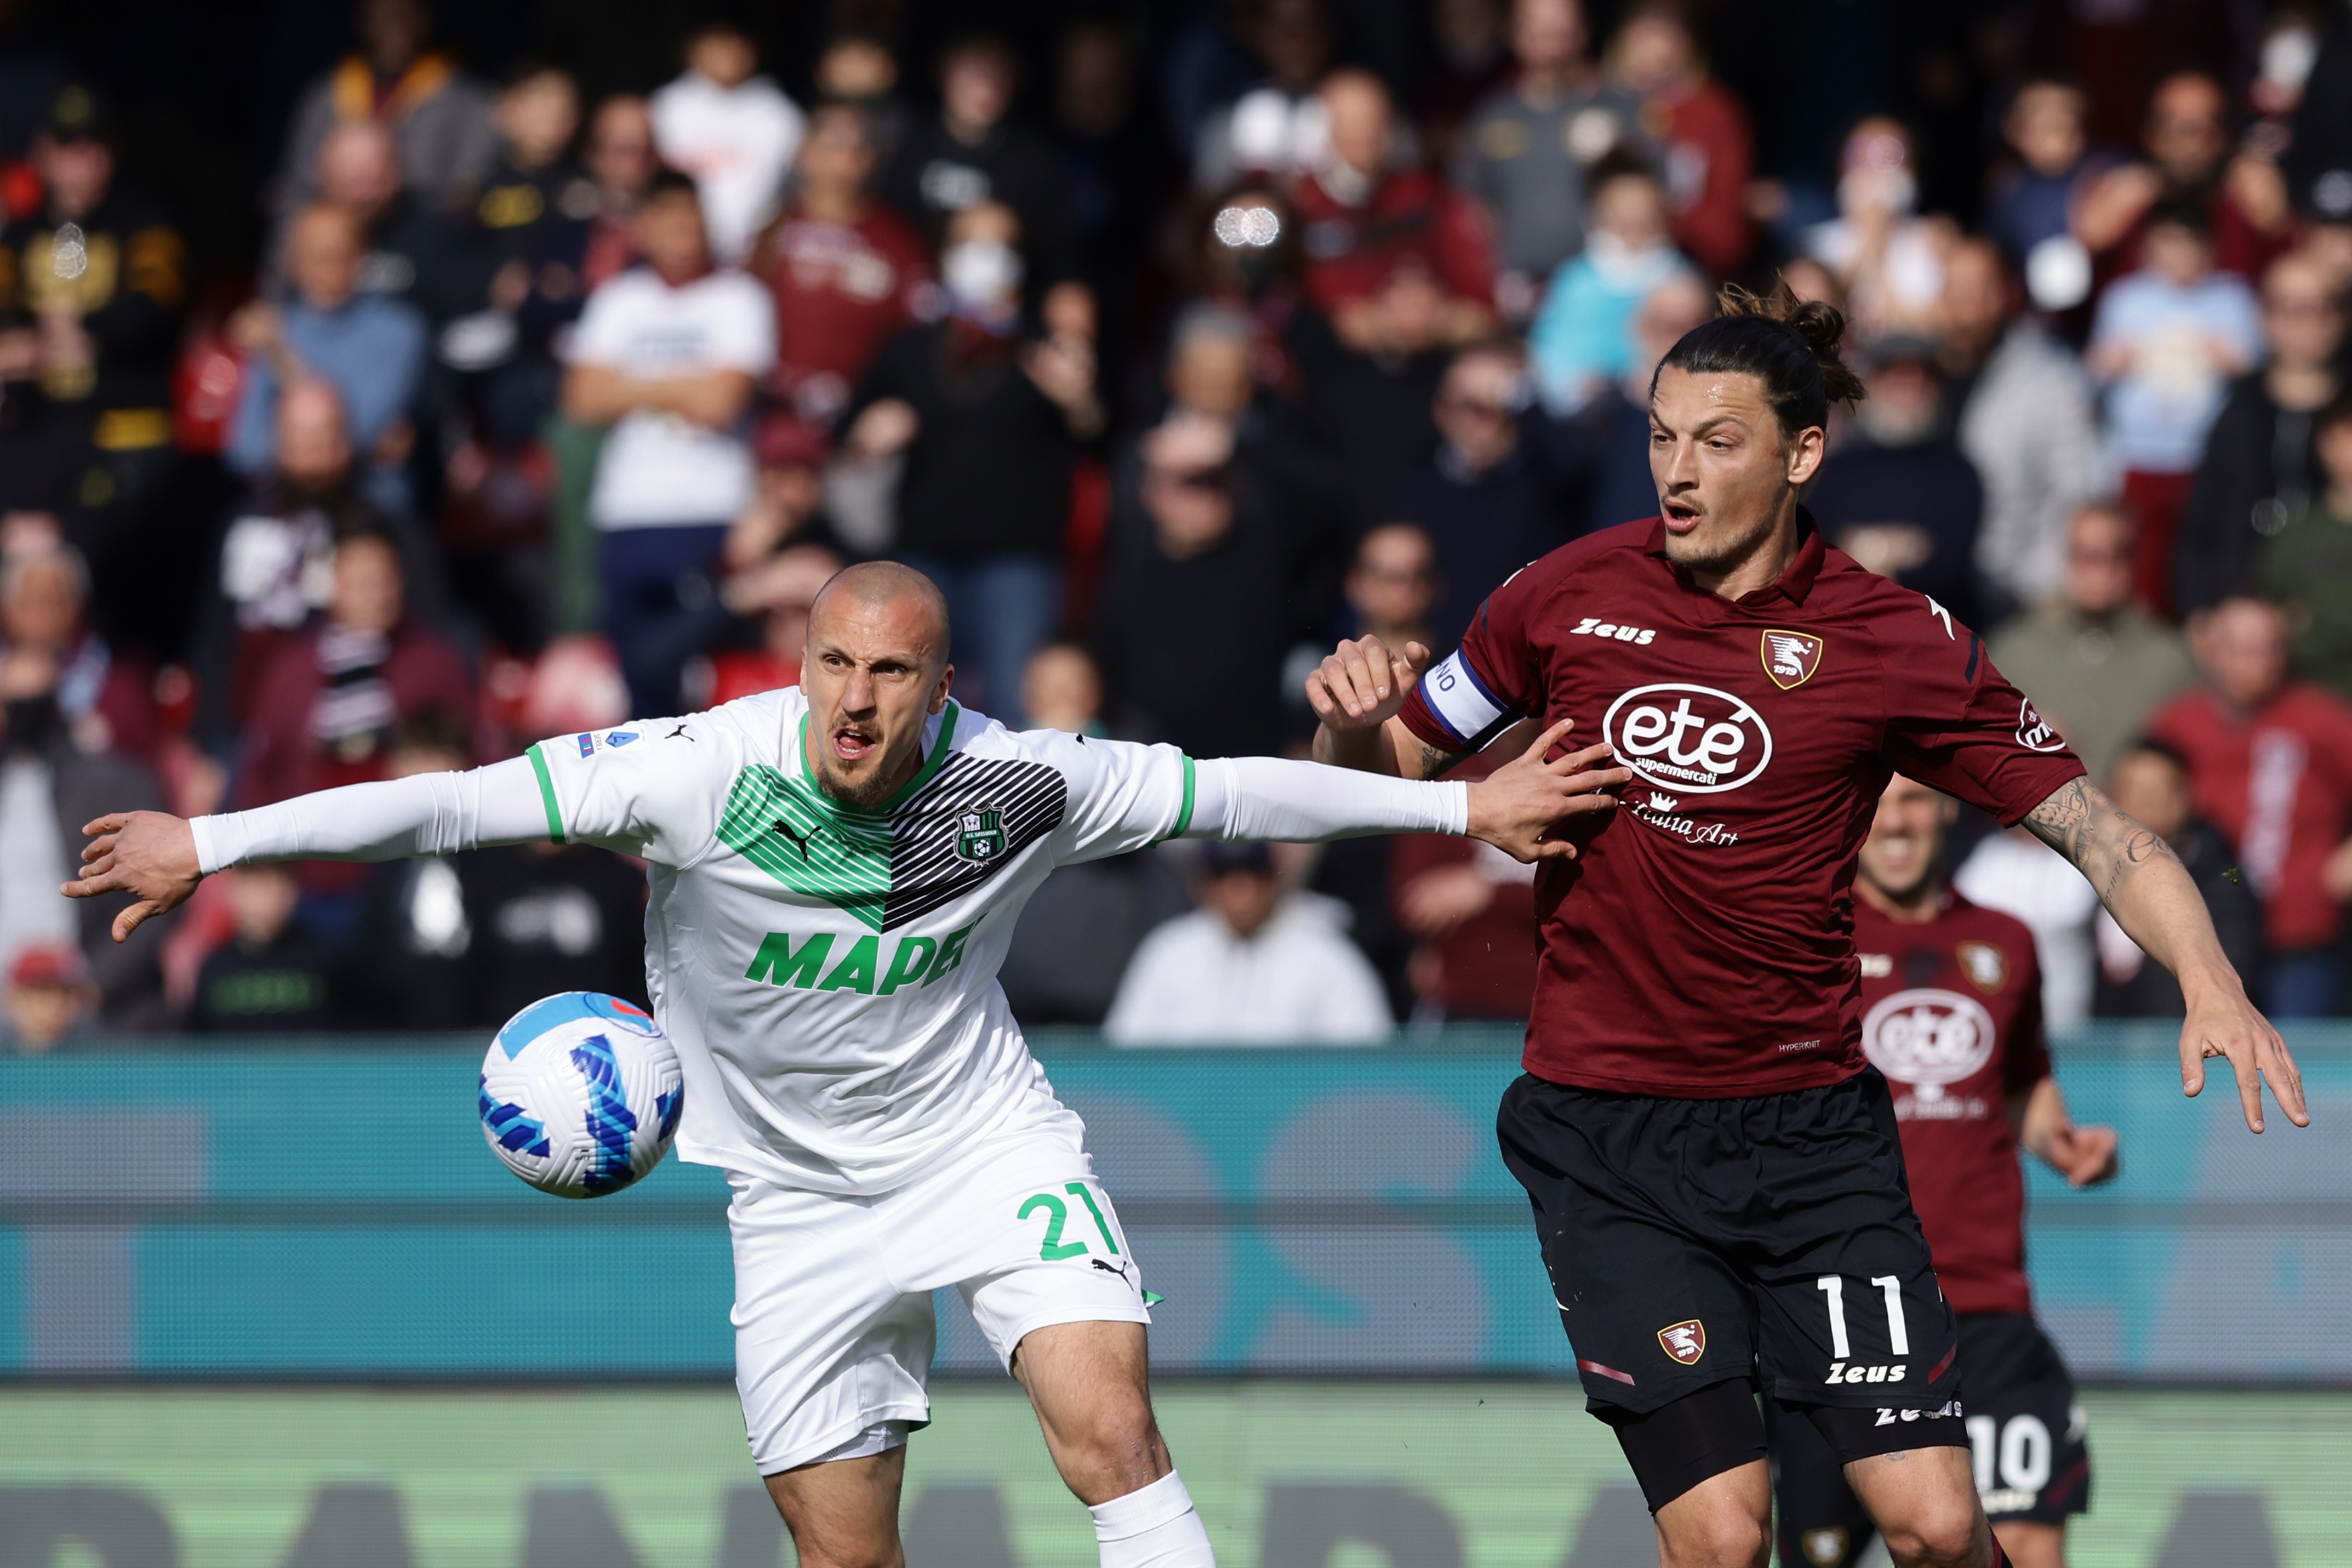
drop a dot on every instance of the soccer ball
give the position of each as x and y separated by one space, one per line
581 1094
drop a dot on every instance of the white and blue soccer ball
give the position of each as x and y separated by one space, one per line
581 1094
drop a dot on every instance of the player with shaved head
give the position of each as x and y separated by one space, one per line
835 870
1715 1165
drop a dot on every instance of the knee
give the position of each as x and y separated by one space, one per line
1941 1533
839 1555
1723 1537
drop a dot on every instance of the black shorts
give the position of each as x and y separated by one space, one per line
1770 1239
2025 1433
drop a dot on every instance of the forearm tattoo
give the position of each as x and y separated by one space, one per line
2105 843
1436 760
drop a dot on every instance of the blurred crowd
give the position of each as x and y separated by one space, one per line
1174 344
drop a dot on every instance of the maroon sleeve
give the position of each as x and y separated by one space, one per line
1955 722
1466 251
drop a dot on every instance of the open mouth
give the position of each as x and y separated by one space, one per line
852 744
1681 515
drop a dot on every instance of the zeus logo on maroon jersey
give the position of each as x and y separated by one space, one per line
1594 626
1687 738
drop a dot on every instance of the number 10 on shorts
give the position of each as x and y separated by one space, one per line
1058 1216
1898 1337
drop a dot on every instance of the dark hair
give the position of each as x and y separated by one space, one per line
2155 748
1792 345
668 182
2184 212
2339 412
1619 164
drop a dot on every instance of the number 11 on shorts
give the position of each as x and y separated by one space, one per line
1898 1335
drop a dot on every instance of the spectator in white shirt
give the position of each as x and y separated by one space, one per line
667 354
2019 875
735 133
1254 966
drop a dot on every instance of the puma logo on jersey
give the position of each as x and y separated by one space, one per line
1594 626
798 842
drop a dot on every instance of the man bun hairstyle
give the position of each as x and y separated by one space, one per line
1792 345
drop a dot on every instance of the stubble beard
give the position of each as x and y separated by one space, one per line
1720 552
864 791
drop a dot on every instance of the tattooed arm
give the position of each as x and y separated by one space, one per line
2149 893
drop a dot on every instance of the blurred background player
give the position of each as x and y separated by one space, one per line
1952 1016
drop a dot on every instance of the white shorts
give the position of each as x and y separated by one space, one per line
833 1319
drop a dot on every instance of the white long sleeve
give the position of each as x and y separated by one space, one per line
425 813
1290 802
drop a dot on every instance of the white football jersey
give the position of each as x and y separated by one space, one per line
827 974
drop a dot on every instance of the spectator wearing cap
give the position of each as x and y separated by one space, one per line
2270 764
2150 782
2306 565
2022 412
1487 501
1365 216
987 418
1898 495
1706 146
2188 161
370 348
93 285
1583 341
2167 341
442 119
105 699
48 788
1080 929
668 355
2096 663
847 274
972 154
2260 468
1252 966
1524 152
50 998
732 130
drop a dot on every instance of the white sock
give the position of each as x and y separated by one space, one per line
1153 1528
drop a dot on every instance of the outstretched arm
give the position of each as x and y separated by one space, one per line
2150 894
159 859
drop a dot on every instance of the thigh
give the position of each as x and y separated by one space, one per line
1024 1230
2026 1434
1819 1523
846 1510
831 1356
1652 1314
1850 1312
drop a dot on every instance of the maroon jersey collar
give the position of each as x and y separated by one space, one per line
1791 585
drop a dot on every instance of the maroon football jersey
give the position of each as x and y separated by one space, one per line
1701 945
1951 1013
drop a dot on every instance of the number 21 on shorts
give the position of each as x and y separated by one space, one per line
1058 1217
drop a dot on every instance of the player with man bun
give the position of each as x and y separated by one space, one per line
1716 1170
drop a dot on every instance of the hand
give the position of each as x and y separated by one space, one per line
1443 898
2222 1023
148 853
1360 687
885 427
256 329
2336 873
1515 806
2085 1156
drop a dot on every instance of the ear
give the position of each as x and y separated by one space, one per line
940 692
1806 449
